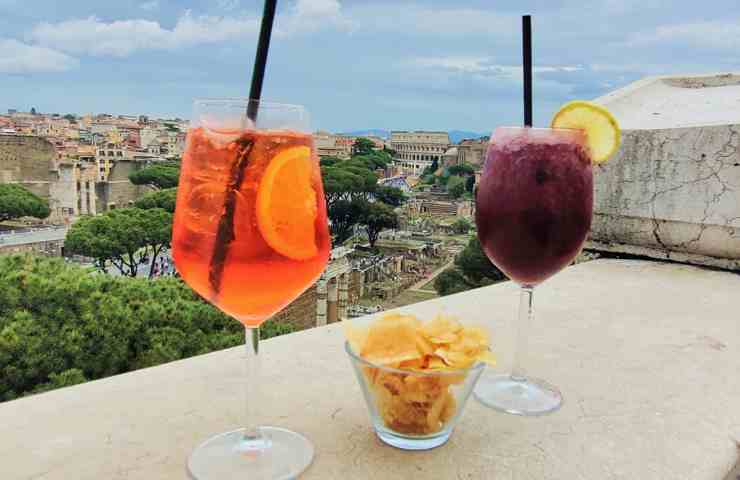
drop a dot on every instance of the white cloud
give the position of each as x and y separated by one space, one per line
228 5
20 58
311 15
438 21
121 38
484 66
150 5
719 35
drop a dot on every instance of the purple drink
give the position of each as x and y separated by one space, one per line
534 201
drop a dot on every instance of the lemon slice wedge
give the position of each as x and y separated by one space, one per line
601 128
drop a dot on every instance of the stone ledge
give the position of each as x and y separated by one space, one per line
635 347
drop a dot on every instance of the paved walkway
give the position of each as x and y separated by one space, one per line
13 237
424 281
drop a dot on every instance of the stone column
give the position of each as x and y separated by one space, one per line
321 294
343 295
332 301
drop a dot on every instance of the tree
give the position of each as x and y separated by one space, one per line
344 215
461 226
377 217
345 181
451 281
70 117
363 146
16 202
470 184
61 325
431 169
328 160
164 199
461 170
121 236
455 186
33 110
390 195
475 265
472 269
159 175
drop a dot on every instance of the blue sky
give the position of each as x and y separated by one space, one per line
391 64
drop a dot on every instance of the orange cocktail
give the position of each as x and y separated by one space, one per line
250 229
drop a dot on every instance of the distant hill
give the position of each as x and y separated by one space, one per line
455 135
373 132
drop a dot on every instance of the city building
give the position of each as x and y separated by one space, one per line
416 150
330 145
105 156
72 186
472 152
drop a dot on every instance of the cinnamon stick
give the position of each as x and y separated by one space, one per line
225 233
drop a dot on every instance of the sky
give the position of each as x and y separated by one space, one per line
355 64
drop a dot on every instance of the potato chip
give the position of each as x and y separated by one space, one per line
412 403
391 342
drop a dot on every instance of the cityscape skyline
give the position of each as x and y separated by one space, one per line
415 65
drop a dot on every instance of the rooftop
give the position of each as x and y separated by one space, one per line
646 355
676 101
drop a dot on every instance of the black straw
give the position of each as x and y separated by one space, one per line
527 64
260 60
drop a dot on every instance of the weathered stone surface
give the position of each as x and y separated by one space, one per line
301 313
672 192
646 354
29 161
118 191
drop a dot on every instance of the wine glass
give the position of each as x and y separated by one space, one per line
533 212
250 235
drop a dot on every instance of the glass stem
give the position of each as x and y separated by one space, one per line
253 438
526 313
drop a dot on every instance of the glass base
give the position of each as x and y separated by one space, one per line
526 396
406 443
281 455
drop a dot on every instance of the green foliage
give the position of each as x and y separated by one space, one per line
451 281
60 325
461 226
390 195
363 146
159 175
328 160
16 202
376 217
431 168
428 179
475 265
472 269
70 117
344 215
461 170
470 184
164 199
121 236
455 186
347 181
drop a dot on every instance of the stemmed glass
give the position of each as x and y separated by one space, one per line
250 235
533 212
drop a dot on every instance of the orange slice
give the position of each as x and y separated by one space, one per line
286 204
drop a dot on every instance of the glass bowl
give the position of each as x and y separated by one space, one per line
413 410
